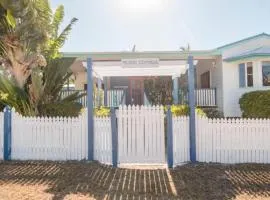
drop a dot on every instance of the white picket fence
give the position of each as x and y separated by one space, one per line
1 135
141 136
180 140
103 140
223 140
42 138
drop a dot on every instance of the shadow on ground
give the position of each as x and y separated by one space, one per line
95 181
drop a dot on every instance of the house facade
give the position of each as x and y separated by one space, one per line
223 74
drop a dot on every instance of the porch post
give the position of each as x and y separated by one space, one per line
105 80
191 100
98 92
90 109
175 90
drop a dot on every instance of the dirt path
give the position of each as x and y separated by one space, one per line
50 180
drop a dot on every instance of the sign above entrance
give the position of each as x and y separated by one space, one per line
140 63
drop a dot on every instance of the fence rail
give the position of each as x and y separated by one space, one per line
82 100
116 97
203 97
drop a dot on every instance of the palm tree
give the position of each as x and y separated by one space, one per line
19 46
37 80
186 49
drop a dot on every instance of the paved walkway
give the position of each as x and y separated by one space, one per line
49 180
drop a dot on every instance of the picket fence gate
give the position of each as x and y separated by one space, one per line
141 137
103 140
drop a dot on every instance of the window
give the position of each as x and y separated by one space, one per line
249 74
85 86
266 73
246 74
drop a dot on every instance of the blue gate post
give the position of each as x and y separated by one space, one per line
105 91
114 138
7 133
90 109
175 91
169 138
191 100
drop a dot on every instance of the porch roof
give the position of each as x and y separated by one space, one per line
162 55
116 68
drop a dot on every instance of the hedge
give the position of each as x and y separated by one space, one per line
255 104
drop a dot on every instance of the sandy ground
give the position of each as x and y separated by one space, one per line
78 180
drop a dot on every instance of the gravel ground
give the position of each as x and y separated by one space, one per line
79 180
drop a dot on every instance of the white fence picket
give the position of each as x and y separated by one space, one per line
43 138
224 140
103 140
1 135
181 139
141 136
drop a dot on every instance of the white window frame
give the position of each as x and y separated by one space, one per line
246 74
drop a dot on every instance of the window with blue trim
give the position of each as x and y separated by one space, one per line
266 73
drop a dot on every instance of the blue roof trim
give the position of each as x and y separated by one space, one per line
244 40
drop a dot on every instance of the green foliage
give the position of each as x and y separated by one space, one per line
56 38
34 71
159 90
212 112
15 97
102 112
255 104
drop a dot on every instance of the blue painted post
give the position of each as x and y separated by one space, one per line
105 91
90 109
114 138
175 91
191 100
169 138
7 133
98 93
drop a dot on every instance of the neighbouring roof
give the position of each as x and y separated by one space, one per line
258 52
265 35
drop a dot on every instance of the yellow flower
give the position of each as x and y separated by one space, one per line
3 96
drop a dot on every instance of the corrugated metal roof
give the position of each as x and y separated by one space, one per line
258 52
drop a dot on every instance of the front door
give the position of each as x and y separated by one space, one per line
205 80
136 91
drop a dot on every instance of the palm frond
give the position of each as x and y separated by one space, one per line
57 20
58 42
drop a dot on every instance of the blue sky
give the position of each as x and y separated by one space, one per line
116 25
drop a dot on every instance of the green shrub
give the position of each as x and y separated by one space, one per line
255 104
213 113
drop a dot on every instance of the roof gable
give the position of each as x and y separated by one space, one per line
262 35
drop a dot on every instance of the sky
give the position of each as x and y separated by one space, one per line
160 25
